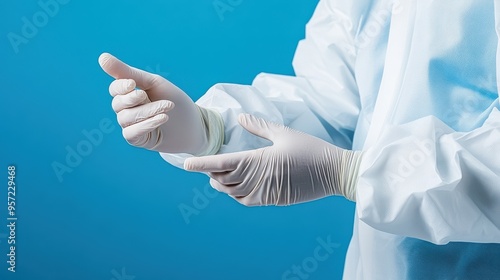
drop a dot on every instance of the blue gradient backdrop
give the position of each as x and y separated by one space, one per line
116 215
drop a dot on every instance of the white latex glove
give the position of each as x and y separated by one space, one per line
297 168
142 112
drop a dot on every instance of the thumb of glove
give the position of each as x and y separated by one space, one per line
119 70
260 127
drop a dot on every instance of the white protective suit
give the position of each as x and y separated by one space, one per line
413 84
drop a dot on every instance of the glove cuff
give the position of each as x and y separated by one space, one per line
214 127
351 160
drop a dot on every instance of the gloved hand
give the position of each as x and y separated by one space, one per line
297 168
142 112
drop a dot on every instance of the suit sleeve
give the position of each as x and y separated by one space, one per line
321 100
426 181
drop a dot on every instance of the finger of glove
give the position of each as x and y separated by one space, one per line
216 163
119 70
128 117
121 87
259 126
135 98
230 190
137 134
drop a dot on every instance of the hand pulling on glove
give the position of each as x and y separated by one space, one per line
297 168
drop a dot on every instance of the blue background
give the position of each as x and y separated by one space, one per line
117 213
